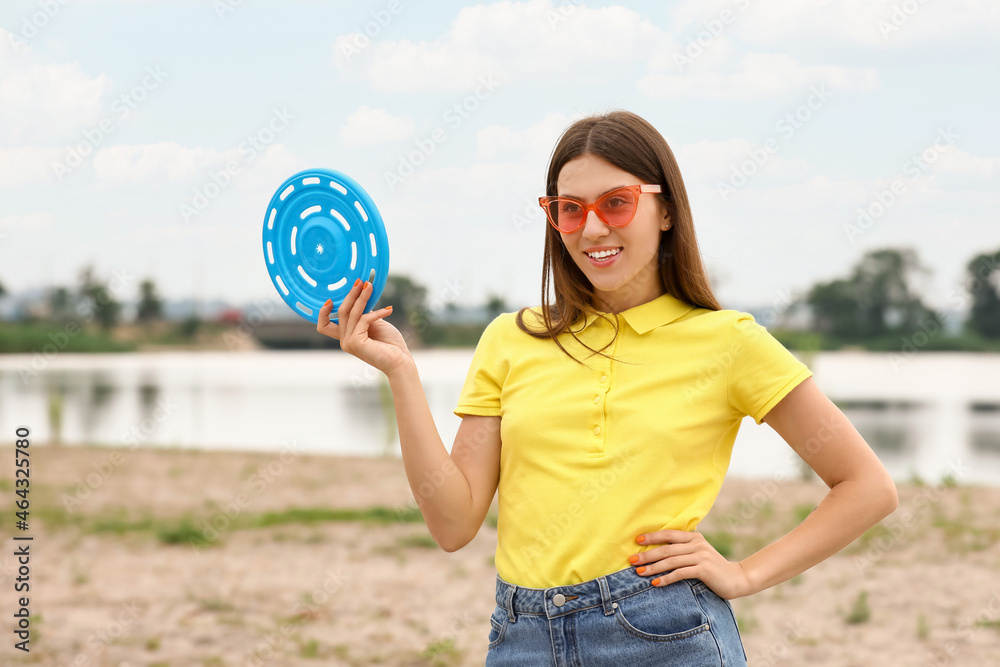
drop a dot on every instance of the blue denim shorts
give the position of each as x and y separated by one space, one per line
618 620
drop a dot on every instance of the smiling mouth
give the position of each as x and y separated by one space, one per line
602 257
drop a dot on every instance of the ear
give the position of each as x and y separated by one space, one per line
664 214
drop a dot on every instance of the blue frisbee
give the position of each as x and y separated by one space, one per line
321 233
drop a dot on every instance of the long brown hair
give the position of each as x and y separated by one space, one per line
630 143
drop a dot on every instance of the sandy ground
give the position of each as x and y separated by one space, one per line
357 593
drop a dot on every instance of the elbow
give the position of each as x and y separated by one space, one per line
451 544
889 495
451 547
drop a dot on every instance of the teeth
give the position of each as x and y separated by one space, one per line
603 253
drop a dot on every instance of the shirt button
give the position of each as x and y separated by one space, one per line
597 430
603 378
597 399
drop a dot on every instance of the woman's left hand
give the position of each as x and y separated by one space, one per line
690 556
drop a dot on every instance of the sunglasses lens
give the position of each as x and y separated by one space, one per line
567 215
618 207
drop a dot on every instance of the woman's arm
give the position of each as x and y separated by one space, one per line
861 491
861 494
453 491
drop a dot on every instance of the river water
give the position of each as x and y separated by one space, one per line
928 414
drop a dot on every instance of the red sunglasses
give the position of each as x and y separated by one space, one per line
617 208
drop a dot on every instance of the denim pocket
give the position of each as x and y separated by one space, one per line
661 613
498 626
720 605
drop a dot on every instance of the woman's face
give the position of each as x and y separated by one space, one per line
632 277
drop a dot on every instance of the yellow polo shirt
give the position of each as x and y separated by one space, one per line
593 456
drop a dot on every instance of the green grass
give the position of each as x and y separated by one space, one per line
722 541
27 338
962 536
215 605
875 532
309 649
378 514
199 530
891 342
441 653
802 511
180 533
860 612
420 541
746 623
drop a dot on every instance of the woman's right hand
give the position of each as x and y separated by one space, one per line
365 335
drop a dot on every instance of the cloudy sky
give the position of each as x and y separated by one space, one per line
118 120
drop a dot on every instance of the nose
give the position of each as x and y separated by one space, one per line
593 226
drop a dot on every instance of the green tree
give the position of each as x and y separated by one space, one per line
3 290
835 307
189 327
150 305
59 304
878 298
495 305
106 309
408 300
889 301
984 287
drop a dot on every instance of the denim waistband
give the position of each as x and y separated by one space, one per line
602 591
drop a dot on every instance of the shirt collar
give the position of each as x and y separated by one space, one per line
662 310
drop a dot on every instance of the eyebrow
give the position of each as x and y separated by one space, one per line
598 196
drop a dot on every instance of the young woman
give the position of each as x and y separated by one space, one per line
617 408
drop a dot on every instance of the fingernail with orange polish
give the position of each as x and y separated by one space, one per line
633 559
640 539
655 582
641 570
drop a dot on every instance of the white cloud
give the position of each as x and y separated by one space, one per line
820 24
375 127
269 170
166 161
33 222
27 165
44 102
532 145
956 161
713 161
758 75
185 169
509 40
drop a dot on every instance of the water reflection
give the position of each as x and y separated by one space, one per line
919 422
984 427
99 392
